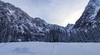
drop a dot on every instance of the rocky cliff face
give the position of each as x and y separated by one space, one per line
90 16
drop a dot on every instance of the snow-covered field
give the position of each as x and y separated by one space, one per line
42 48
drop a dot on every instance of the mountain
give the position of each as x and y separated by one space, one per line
86 28
69 27
16 25
91 15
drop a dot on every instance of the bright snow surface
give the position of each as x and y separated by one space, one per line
42 48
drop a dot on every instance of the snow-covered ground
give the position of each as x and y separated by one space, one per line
42 48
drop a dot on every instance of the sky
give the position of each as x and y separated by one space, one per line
60 12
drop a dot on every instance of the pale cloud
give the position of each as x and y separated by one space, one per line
59 12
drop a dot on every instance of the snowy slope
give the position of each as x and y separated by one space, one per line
41 48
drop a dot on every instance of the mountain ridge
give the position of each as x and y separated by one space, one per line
16 25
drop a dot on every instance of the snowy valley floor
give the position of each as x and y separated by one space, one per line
42 48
